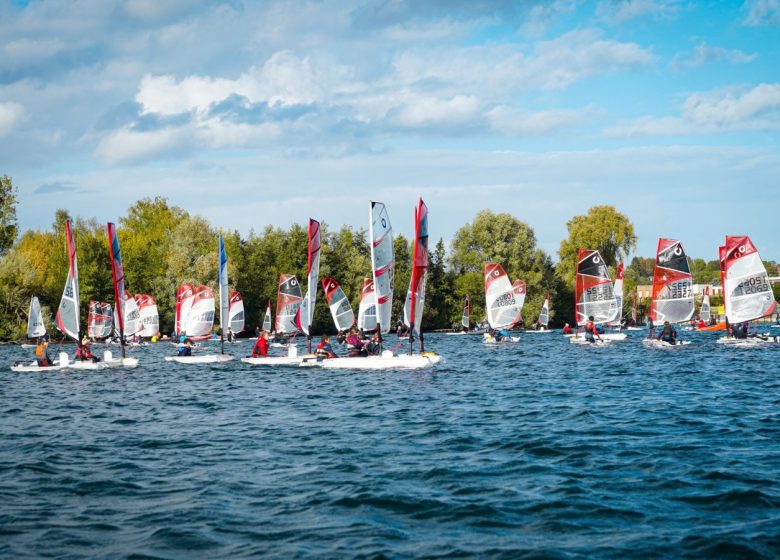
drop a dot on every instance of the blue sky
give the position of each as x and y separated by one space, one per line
255 113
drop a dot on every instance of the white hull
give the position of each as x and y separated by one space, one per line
612 337
542 331
403 361
505 340
28 346
35 367
275 361
751 341
602 342
654 343
113 363
633 329
205 359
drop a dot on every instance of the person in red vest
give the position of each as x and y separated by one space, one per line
260 349
324 349
591 333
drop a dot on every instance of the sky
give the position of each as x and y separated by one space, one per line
257 113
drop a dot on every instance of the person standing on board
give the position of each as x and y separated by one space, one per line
83 353
260 349
42 353
591 333
668 334
324 350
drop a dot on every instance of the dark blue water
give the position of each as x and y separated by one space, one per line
543 449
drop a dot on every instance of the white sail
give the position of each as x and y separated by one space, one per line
367 308
224 294
503 310
544 314
236 313
288 303
131 314
465 319
340 308
312 276
267 318
704 312
672 284
418 310
68 312
617 288
520 290
382 263
593 291
100 321
201 316
747 292
150 319
35 326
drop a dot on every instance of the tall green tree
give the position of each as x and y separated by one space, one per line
8 224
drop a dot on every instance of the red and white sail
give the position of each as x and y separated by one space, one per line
544 314
704 312
236 312
312 276
415 297
68 311
367 309
150 318
100 320
382 263
267 318
288 302
672 284
185 295
594 294
340 308
617 288
465 319
201 315
131 315
521 289
747 293
503 309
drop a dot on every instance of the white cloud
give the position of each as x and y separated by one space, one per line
129 146
425 112
511 120
621 11
10 114
704 53
762 12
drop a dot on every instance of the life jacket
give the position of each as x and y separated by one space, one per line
590 327
321 351
39 350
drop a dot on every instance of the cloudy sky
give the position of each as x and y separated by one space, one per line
255 113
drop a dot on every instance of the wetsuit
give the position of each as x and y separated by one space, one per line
260 348
185 350
741 331
668 334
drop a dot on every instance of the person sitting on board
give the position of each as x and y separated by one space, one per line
42 353
701 324
600 328
401 330
668 334
740 331
83 353
567 329
374 346
355 345
324 350
591 332
185 347
260 349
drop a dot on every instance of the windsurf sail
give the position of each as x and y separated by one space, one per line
237 312
150 318
224 293
306 312
544 314
68 311
617 287
633 307
593 291
267 318
288 301
704 311
184 298
118 275
35 326
465 319
340 308
747 292
520 289
415 298
367 308
503 309
201 315
100 320
382 264
131 314
672 284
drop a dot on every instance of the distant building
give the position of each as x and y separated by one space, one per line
646 291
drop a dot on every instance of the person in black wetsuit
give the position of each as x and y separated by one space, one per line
668 333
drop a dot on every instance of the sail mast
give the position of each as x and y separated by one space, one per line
312 278
118 275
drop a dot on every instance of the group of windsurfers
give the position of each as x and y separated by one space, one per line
356 345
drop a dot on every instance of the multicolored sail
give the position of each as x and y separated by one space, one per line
236 313
544 314
503 309
150 318
306 317
704 312
415 297
465 319
267 318
68 311
594 294
382 263
224 291
672 284
288 301
118 275
201 316
367 309
100 320
617 287
35 326
747 292
185 295
340 308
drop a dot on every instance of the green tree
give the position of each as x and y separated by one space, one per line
8 224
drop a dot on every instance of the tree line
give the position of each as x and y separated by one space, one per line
164 246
